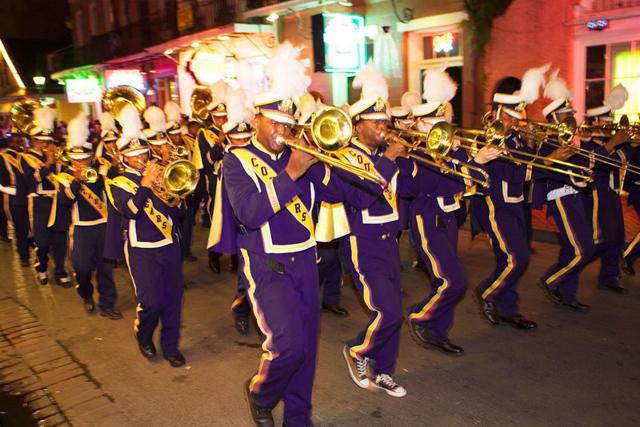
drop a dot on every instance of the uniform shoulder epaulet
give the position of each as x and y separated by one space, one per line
124 183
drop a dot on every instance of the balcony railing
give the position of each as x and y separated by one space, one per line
609 5
149 31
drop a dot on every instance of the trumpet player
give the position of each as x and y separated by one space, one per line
501 214
13 186
152 249
37 165
436 197
84 193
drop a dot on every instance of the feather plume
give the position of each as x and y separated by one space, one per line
557 88
107 121
154 116
45 118
372 83
409 99
77 131
245 81
219 92
173 112
307 104
438 86
237 109
617 97
286 74
131 124
532 80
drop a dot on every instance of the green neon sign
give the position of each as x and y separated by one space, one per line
341 47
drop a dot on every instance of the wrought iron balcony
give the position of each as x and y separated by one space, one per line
149 31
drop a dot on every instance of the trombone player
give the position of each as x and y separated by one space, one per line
83 192
501 214
152 248
436 197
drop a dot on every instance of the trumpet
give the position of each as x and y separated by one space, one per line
494 135
331 130
88 174
438 143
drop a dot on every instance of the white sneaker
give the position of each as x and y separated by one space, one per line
357 368
43 277
386 383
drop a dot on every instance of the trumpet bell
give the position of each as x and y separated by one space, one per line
566 130
494 133
201 98
331 129
180 178
89 175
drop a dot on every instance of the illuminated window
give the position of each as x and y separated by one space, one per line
441 45
609 65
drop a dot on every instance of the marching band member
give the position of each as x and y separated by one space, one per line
156 134
632 183
564 199
237 132
602 203
152 249
13 186
272 200
37 164
110 167
87 198
371 249
500 212
210 140
436 198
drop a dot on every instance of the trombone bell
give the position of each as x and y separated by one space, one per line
331 129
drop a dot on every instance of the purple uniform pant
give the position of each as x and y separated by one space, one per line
437 244
330 271
284 295
576 244
20 219
374 263
506 226
87 256
159 284
47 239
114 240
632 249
604 212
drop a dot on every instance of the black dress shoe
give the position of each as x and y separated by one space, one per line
147 350
242 324
233 267
576 305
111 313
214 262
89 305
519 322
64 282
487 308
335 309
551 291
616 288
261 415
627 267
177 360
421 336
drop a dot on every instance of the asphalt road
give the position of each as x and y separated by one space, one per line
576 369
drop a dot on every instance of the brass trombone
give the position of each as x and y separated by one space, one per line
566 130
330 131
494 135
437 145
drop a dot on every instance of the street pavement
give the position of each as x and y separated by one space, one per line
576 369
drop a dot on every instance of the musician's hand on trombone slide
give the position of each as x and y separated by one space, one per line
395 150
562 153
300 161
488 153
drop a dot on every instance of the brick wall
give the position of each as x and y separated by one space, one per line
530 34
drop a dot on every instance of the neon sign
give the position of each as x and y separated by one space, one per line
338 42
597 24
443 43
132 77
83 90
